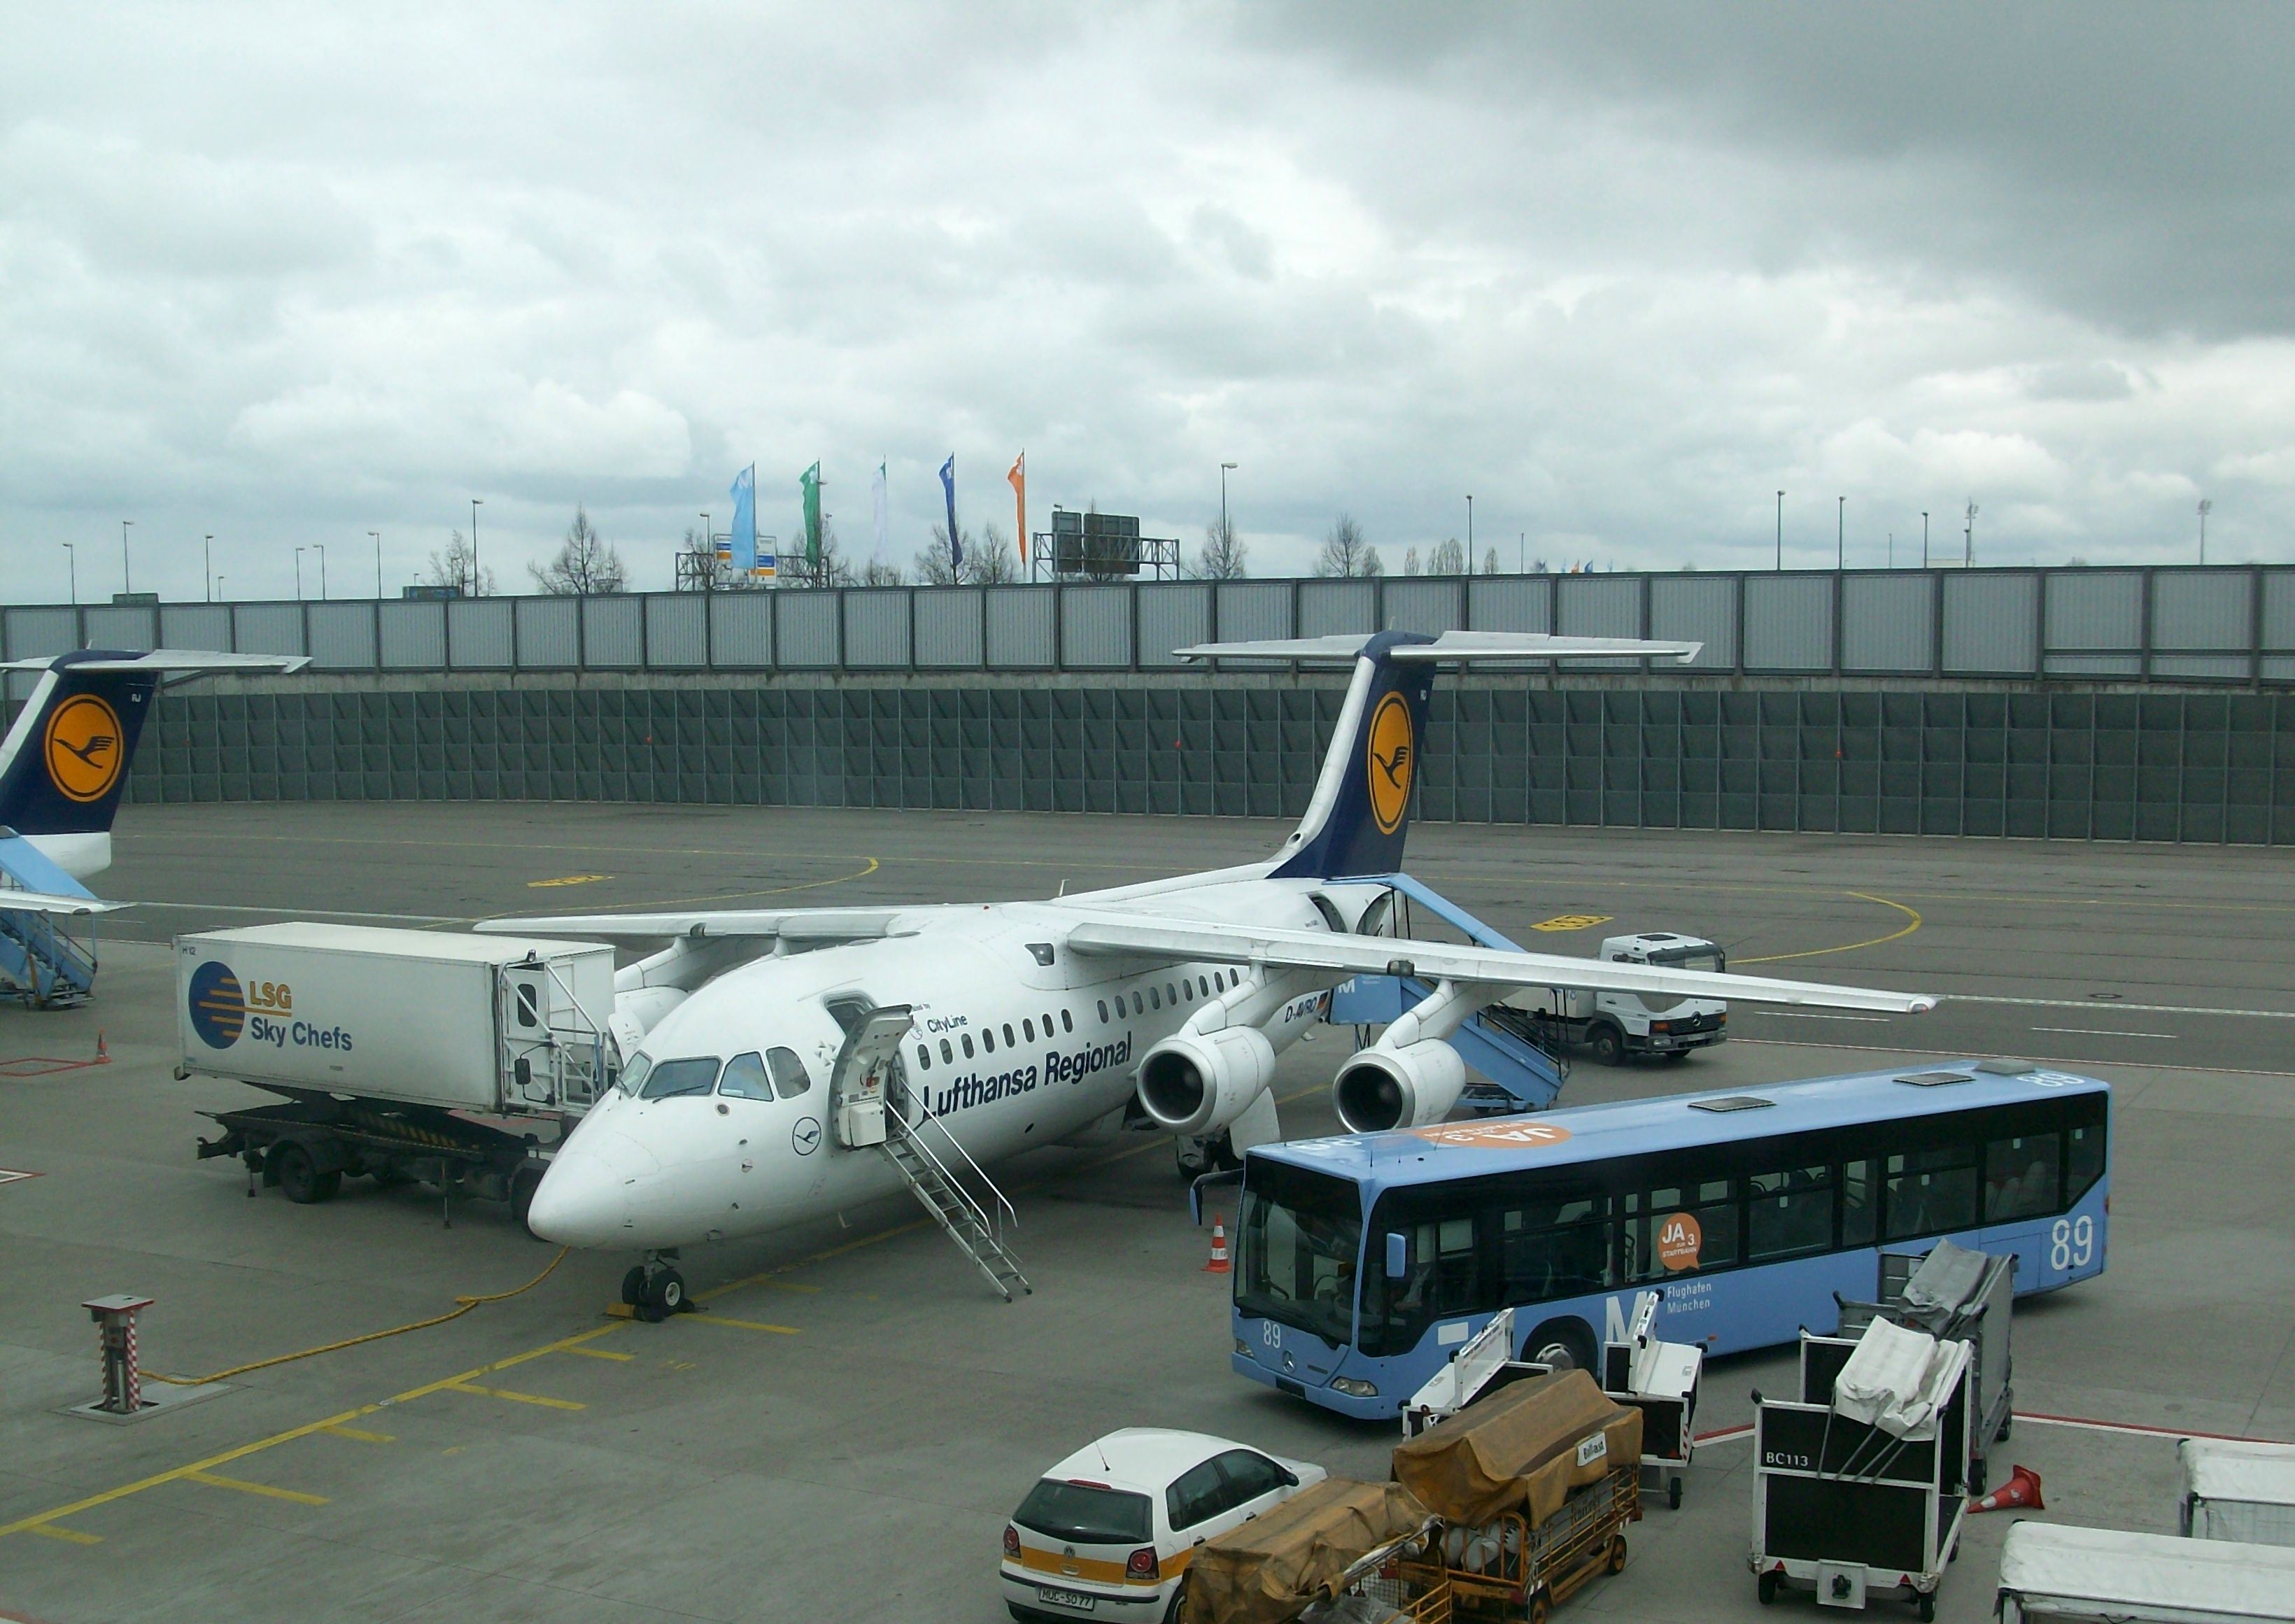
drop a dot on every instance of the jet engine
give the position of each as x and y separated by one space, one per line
1407 1087
1200 1083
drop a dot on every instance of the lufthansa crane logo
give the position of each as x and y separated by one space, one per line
1393 757
83 748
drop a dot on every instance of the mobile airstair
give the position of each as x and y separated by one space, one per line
903 1129
40 963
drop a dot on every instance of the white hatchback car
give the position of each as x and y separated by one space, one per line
1109 1532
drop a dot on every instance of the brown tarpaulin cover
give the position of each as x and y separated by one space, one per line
1264 1572
1520 1448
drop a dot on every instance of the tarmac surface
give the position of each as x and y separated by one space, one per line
842 1434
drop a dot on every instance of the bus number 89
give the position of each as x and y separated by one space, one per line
2071 1245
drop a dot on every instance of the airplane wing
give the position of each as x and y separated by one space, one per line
1458 645
813 926
12 901
173 661
1145 936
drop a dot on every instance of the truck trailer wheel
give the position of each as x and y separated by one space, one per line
1608 1044
299 1178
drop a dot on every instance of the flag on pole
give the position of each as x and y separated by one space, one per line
877 489
1018 479
741 551
809 480
948 488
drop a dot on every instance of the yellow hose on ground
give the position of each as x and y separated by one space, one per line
467 1304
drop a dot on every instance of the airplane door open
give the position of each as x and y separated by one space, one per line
857 1087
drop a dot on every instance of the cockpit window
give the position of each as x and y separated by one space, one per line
633 1074
672 1078
745 1078
790 1078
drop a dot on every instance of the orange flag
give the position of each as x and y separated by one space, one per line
1018 477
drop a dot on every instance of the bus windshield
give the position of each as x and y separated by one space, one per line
1300 1236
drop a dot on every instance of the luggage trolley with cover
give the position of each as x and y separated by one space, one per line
2052 1571
1660 1379
1860 1486
1325 1555
2236 1488
1955 1294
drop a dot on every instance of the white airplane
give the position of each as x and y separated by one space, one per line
783 1065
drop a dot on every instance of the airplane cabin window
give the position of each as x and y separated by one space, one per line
924 1057
1137 1006
1153 1001
967 1044
1048 1022
1008 1041
1171 995
1103 1012
790 1079
1028 1028
745 1078
947 1054
988 1039
1066 1025
673 1078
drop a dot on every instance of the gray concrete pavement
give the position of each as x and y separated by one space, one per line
843 1433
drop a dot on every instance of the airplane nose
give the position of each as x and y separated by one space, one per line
584 1198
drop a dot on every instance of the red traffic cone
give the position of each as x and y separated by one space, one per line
102 1053
1219 1265
2022 1489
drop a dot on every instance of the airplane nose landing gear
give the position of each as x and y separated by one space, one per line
655 1289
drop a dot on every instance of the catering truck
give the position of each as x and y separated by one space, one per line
1620 1026
402 1055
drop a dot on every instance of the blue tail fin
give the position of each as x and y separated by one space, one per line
65 762
1360 811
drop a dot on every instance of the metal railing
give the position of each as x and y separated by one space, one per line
2219 623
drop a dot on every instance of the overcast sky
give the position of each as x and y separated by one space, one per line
289 275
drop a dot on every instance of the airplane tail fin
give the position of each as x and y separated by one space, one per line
1360 811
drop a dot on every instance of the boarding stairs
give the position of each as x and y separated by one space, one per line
977 1232
39 962
1499 1042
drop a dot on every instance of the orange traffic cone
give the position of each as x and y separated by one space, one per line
1219 1265
2022 1489
102 1054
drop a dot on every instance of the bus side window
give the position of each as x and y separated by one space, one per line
1680 1229
1788 1214
1860 1213
2083 1159
1931 1192
1549 1250
2022 1176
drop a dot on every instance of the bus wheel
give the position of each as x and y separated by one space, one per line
1609 1046
1565 1344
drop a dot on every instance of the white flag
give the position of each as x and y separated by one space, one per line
877 489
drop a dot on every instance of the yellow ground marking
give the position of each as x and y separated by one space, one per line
1819 952
242 1451
748 1324
790 1285
514 1396
1572 921
361 1435
566 879
216 1480
602 1353
69 1536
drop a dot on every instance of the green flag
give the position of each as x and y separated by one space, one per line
810 480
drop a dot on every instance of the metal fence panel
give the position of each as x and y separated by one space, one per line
414 636
876 627
1176 615
36 632
805 624
2201 668
948 626
1991 623
1510 603
480 633
1598 606
740 630
122 627
1095 625
1327 608
1019 628
1788 623
677 630
2279 608
2093 622
549 633
2194 610
1252 611
342 637
1435 606
1697 609
613 633
1888 623
208 625
269 628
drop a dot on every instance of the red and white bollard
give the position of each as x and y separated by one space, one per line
123 1383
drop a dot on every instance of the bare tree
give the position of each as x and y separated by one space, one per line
987 559
1490 561
584 564
832 570
875 572
1410 561
1345 553
458 565
1447 559
935 567
1222 558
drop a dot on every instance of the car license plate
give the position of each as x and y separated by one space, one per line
1075 1599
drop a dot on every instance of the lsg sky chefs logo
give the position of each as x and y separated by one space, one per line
222 1012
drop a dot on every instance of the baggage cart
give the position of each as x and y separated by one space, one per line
1480 1366
1660 1379
1861 1484
1327 1554
2055 1573
1953 1294
2237 1489
1513 1567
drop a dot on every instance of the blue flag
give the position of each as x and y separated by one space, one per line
744 539
948 486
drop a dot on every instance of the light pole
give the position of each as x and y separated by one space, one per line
299 574
378 561
1781 530
1521 554
125 585
219 585
476 502
207 564
2207 506
1225 470
1841 536
1968 539
321 549
1924 538
1470 533
72 563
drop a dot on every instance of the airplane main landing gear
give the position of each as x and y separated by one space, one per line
655 1289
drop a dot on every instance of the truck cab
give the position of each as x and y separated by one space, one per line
1617 1026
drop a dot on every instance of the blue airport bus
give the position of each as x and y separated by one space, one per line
1363 1261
